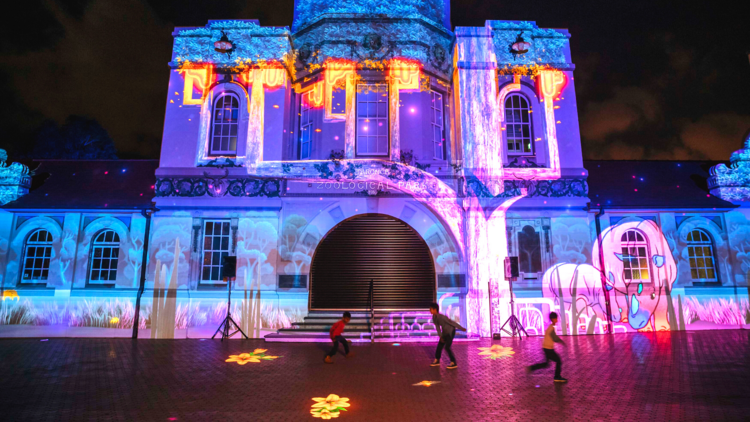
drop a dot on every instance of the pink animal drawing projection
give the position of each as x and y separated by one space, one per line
640 271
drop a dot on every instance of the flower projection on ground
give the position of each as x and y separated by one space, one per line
426 383
329 407
496 351
255 356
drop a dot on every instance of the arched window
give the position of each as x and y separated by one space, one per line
518 125
104 252
36 257
224 125
635 259
701 255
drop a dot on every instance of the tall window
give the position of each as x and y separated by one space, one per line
518 125
372 119
305 128
36 256
635 256
104 254
438 137
529 251
215 248
701 255
224 127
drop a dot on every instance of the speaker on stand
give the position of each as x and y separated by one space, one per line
513 324
228 326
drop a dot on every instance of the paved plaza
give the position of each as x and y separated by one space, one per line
662 376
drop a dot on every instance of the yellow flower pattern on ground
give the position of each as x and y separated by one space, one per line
329 407
496 352
255 357
427 383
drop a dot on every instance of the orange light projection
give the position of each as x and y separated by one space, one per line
336 70
551 83
426 383
271 77
315 95
405 73
10 294
200 79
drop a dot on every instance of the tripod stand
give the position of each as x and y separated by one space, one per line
516 328
226 325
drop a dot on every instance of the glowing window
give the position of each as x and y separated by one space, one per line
438 135
215 248
306 128
518 125
372 119
635 259
701 256
224 125
36 257
104 254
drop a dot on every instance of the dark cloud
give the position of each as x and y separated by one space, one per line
654 79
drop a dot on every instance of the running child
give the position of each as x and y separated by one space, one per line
446 329
548 347
336 330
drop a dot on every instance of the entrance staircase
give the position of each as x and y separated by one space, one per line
379 326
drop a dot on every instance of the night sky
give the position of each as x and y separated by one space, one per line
654 79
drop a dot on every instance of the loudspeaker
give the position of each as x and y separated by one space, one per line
511 267
228 267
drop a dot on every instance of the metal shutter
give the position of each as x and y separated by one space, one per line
378 247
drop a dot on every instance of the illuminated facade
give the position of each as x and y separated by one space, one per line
466 138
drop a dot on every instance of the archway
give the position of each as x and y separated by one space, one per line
372 246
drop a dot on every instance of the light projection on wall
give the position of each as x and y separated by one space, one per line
496 351
404 73
336 72
10 294
256 356
640 270
196 79
315 96
329 407
550 83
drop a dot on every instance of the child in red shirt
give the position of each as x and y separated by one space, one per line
336 330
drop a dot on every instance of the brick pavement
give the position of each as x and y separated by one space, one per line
663 376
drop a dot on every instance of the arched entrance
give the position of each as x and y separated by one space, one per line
372 246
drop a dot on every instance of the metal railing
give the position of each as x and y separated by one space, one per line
372 313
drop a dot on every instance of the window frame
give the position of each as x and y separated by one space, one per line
110 245
210 282
385 86
47 245
626 257
690 245
303 99
529 124
434 122
236 123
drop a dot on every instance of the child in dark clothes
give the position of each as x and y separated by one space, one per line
337 329
446 329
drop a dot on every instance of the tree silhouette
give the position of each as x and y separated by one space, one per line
80 138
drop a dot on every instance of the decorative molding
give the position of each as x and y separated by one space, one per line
190 187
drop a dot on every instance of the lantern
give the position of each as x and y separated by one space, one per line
520 46
224 45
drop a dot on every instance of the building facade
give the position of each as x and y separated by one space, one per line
372 146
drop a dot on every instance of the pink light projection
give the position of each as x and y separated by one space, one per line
637 301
